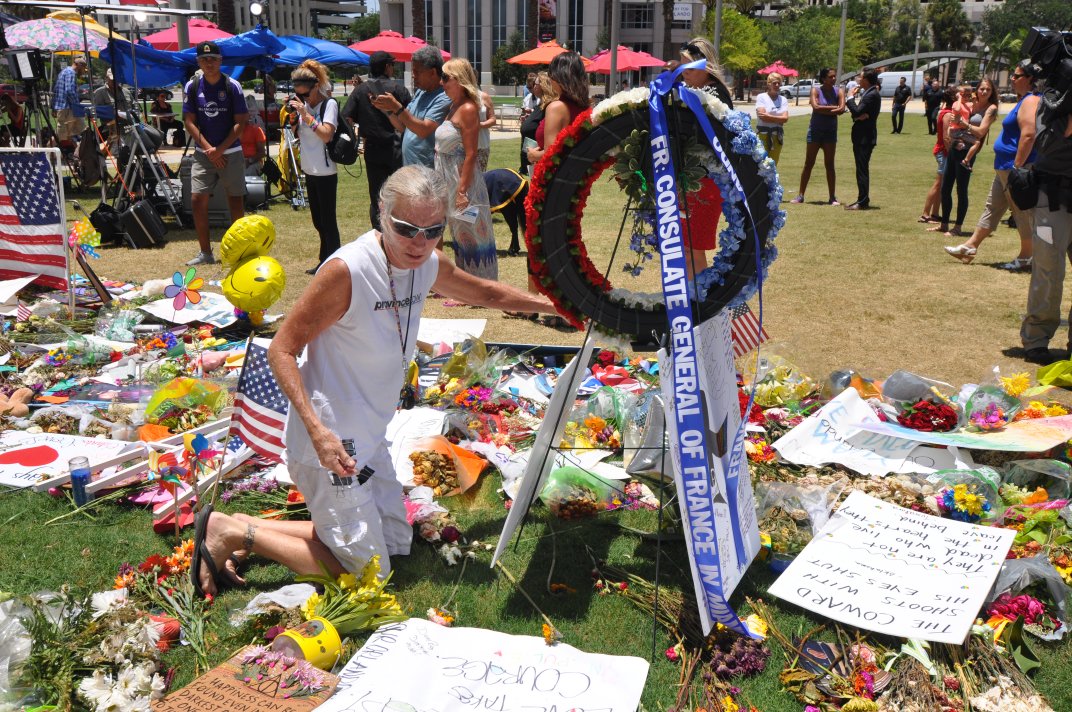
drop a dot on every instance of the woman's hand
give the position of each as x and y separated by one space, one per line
298 106
534 155
461 200
332 455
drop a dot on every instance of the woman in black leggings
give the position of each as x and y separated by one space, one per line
967 129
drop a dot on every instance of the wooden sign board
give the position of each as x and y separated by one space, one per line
222 688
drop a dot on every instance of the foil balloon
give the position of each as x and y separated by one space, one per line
255 284
248 237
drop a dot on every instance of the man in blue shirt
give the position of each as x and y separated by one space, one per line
215 115
419 119
66 108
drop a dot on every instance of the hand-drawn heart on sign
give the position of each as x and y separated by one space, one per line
29 456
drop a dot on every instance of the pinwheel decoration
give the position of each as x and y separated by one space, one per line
184 289
84 238
164 466
197 456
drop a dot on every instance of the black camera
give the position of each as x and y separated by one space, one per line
1051 51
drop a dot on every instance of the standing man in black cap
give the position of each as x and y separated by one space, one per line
382 144
215 115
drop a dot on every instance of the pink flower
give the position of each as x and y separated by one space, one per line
672 655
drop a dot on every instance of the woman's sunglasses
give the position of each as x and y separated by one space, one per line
410 231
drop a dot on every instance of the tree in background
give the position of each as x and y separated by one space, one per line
742 49
949 25
809 41
363 28
1015 17
532 23
225 17
668 23
971 71
419 21
502 72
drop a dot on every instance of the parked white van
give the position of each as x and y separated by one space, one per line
890 80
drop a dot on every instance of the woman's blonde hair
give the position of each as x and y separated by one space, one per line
461 71
547 89
313 71
775 76
702 46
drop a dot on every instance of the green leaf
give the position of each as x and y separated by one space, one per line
1013 639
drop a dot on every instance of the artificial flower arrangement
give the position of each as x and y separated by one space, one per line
572 140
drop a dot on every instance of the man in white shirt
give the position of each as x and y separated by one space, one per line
772 111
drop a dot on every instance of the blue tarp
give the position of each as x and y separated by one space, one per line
255 48
159 68
298 49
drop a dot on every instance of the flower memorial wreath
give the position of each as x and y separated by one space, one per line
596 140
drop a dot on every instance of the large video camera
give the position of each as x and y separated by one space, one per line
1052 52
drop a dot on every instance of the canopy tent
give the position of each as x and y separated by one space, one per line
543 54
628 60
298 49
256 48
159 68
53 36
200 31
392 43
780 68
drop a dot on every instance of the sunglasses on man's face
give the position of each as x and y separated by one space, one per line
410 231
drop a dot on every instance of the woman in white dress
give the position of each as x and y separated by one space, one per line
456 159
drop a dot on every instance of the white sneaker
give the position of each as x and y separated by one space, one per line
203 258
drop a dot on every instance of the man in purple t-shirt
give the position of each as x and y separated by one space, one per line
214 112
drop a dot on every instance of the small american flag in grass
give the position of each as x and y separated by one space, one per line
745 330
23 312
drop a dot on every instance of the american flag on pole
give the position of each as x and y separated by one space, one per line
31 219
745 330
260 408
22 313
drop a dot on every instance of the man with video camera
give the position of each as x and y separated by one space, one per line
1048 189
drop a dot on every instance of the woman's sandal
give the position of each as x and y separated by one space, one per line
942 227
928 219
957 232
962 252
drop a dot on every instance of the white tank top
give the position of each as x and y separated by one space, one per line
353 369
484 137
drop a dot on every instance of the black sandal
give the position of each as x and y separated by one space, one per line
201 553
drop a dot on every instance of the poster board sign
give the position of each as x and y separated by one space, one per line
420 666
549 435
720 550
222 688
891 570
1032 435
834 434
27 459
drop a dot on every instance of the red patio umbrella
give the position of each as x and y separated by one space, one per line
200 31
628 60
389 41
780 68
421 43
543 54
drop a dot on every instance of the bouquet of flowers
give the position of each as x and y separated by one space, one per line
963 503
351 604
929 416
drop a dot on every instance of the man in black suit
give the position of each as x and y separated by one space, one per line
932 104
864 107
382 145
901 95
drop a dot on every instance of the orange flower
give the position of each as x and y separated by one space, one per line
1038 496
126 581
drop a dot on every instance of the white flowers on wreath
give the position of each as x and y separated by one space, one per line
745 142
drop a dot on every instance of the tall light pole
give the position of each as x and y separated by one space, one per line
841 41
615 26
259 10
915 52
718 29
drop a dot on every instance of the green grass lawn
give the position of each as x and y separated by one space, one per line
871 291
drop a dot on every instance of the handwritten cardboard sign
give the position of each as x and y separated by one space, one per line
28 458
1031 435
834 434
222 689
418 665
895 571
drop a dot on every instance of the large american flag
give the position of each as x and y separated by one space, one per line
31 221
260 409
745 330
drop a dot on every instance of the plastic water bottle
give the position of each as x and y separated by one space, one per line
80 473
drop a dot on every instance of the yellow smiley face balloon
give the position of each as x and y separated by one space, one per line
255 284
250 236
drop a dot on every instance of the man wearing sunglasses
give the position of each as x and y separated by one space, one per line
356 324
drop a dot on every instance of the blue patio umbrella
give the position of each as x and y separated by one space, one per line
299 48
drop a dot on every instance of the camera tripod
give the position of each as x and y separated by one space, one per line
295 182
134 172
